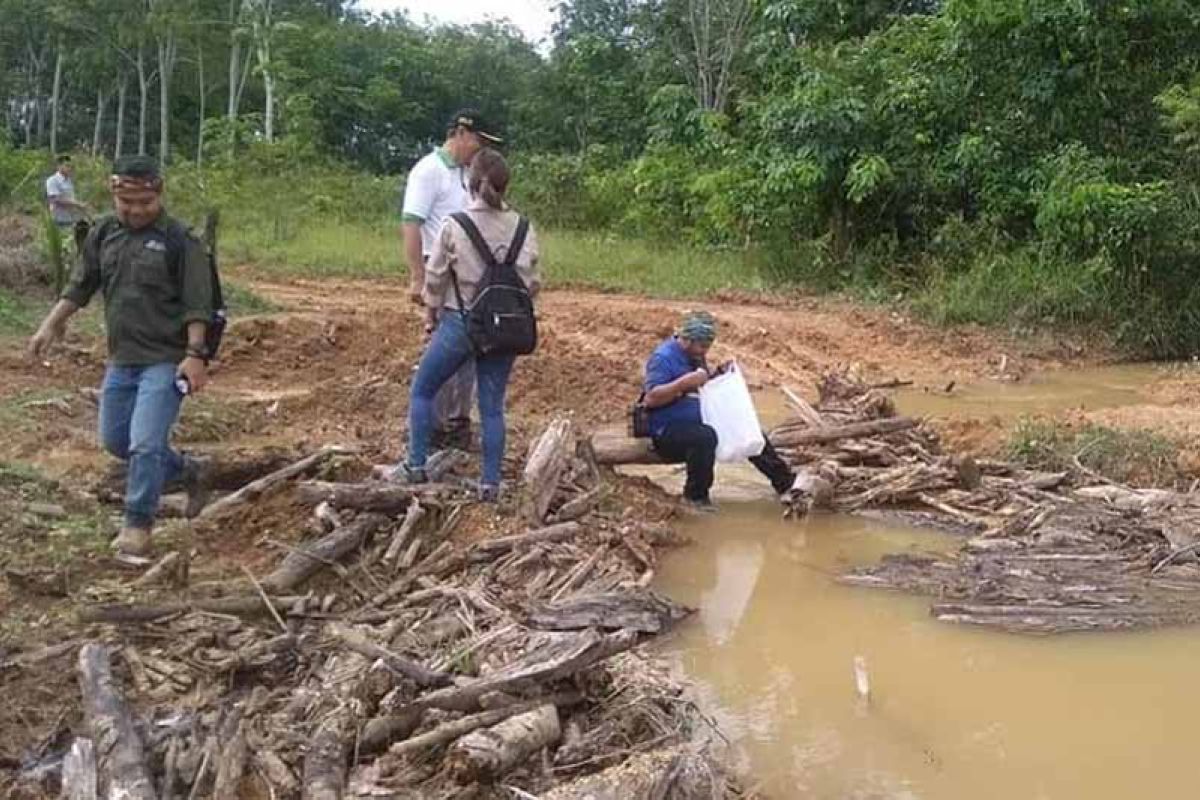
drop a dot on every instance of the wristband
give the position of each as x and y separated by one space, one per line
198 352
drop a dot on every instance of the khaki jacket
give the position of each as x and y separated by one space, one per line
454 251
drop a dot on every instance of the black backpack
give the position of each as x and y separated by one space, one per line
176 237
501 320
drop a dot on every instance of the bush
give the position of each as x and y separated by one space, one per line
1138 457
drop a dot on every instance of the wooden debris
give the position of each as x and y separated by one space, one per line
548 459
123 772
302 563
256 489
359 643
165 568
412 518
79 778
486 753
642 610
249 605
380 498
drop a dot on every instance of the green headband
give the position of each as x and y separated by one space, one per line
698 326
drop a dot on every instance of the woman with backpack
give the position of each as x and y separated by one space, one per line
479 285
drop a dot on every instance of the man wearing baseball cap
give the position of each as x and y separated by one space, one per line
436 188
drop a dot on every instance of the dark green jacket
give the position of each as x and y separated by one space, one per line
155 281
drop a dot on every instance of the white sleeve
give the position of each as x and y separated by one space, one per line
52 187
420 191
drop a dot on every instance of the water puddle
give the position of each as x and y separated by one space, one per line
1087 389
953 712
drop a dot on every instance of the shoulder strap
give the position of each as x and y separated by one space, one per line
481 247
518 241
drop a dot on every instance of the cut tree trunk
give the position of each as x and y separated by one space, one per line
547 461
304 562
615 446
328 750
487 753
122 759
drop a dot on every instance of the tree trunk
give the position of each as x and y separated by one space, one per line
200 126
98 131
122 759
166 66
143 100
122 94
269 88
56 97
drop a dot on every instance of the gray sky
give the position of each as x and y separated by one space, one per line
533 17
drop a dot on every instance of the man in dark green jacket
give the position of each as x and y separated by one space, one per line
157 289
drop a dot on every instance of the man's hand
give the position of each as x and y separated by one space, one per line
416 292
196 372
47 334
693 380
431 321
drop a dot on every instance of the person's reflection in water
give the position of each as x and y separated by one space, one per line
737 564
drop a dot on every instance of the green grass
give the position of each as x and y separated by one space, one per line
326 249
243 302
18 316
1138 457
613 263
568 258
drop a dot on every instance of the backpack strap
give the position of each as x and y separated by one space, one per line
468 225
518 241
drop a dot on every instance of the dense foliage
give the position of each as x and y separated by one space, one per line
1003 161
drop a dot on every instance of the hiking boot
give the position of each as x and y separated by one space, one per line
702 506
132 541
196 480
489 493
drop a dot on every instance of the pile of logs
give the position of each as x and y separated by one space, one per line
396 654
1043 552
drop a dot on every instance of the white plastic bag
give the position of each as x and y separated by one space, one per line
726 406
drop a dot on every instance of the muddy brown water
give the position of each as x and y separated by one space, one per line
951 712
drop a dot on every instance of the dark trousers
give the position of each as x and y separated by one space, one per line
695 444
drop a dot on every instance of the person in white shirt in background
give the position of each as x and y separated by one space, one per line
60 196
435 189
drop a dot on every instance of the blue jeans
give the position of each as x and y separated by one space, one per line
138 407
448 350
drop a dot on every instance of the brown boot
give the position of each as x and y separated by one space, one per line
132 541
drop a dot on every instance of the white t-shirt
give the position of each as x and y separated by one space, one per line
59 185
436 188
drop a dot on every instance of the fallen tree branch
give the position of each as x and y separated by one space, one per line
256 489
380 498
484 754
359 643
242 605
449 731
300 565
